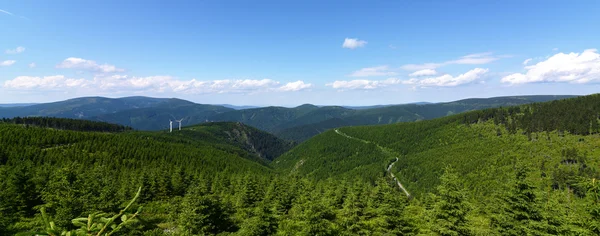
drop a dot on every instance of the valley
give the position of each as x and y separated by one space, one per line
379 179
296 124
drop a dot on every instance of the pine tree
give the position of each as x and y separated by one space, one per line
519 211
451 208
203 214
262 223
593 198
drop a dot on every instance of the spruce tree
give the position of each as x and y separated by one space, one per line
519 211
451 207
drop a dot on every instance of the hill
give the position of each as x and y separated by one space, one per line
17 104
194 181
537 160
457 140
298 123
157 117
550 147
81 108
232 136
320 120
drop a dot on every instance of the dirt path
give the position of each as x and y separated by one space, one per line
385 151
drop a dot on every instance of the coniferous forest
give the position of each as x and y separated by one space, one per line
519 170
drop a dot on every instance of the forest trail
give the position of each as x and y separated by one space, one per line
385 151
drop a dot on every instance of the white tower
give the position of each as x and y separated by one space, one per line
179 123
170 126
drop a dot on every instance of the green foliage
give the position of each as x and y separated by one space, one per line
212 178
96 223
66 124
451 208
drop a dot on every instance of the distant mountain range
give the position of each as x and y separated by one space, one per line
297 123
17 104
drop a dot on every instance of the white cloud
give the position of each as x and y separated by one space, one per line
415 67
353 43
555 49
471 59
448 80
572 68
475 59
47 82
6 12
425 72
363 84
295 86
373 71
7 63
527 61
83 64
32 65
15 51
156 84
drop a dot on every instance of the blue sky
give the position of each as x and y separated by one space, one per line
294 52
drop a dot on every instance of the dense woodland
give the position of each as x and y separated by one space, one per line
66 124
526 170
297 123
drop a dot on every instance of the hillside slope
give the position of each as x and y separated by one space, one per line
81 108
484 146
318 121
233 136
298 124
158 116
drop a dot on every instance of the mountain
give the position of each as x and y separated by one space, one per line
529 169
252 140
298 123
495 165
483 146
236 107
389 105
81 108
157 117
326 118
17 104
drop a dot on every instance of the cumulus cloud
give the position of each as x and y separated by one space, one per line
7 63
156 84
363 84
527 61
373 71
353 43
32 65
425 72
47 82
295 86
83 64
15 51
570 68
471 59
447 80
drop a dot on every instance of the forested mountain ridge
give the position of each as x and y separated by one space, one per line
524 170
298 123
251 140
81 108
545 150
322 121
157 117
66 124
